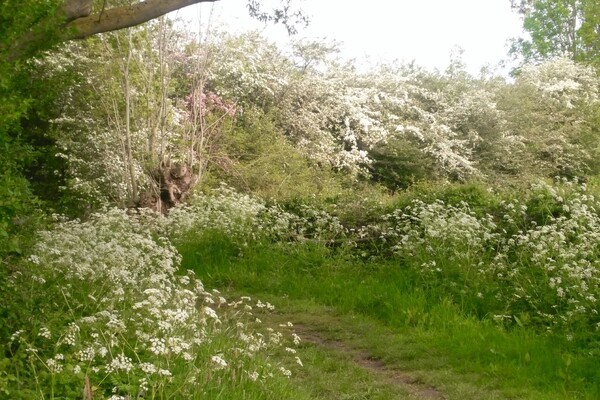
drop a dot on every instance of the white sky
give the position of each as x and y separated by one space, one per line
426 31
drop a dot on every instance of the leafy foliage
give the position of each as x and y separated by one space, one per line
529 260
19 105
559 28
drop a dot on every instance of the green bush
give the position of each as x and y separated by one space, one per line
260 160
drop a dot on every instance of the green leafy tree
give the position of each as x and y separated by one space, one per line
559 28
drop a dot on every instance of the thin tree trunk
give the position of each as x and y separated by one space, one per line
573 33
130 164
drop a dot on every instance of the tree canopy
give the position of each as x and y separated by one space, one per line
559 28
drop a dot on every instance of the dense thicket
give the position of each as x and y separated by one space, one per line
236 109
440 172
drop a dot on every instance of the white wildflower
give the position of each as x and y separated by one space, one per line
211 313
218 362
45 333
54 365
120 363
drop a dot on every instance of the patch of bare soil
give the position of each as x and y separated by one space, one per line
387 373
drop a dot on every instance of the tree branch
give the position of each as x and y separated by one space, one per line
73 21
124 17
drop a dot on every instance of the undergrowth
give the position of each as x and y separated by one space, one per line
500 285
98 309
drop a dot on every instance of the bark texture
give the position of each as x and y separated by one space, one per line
122 17
73 9
174 184
76 21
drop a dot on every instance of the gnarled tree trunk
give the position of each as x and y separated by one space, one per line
174 184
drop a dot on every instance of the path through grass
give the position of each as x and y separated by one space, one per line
371 333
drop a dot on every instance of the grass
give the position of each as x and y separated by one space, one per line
378 308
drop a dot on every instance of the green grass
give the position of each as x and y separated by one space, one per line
379 308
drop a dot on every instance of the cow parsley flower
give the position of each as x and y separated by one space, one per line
218 362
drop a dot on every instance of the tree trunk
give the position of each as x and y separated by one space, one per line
128 147
175 183
573 30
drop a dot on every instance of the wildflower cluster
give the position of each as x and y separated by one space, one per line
534 261
224 210
448 241
242 217
550 271
108 306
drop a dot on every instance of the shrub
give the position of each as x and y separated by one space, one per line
528 261
99 306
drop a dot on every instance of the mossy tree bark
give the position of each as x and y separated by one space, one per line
76 21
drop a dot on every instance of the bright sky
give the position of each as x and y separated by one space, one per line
426 31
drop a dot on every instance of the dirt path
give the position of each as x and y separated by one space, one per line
350 356
410 383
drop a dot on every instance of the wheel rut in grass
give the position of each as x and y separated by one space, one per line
383 371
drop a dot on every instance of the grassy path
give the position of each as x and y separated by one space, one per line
371 333
409 383
355 357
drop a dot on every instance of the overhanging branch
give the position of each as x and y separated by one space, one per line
124 17
74 21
